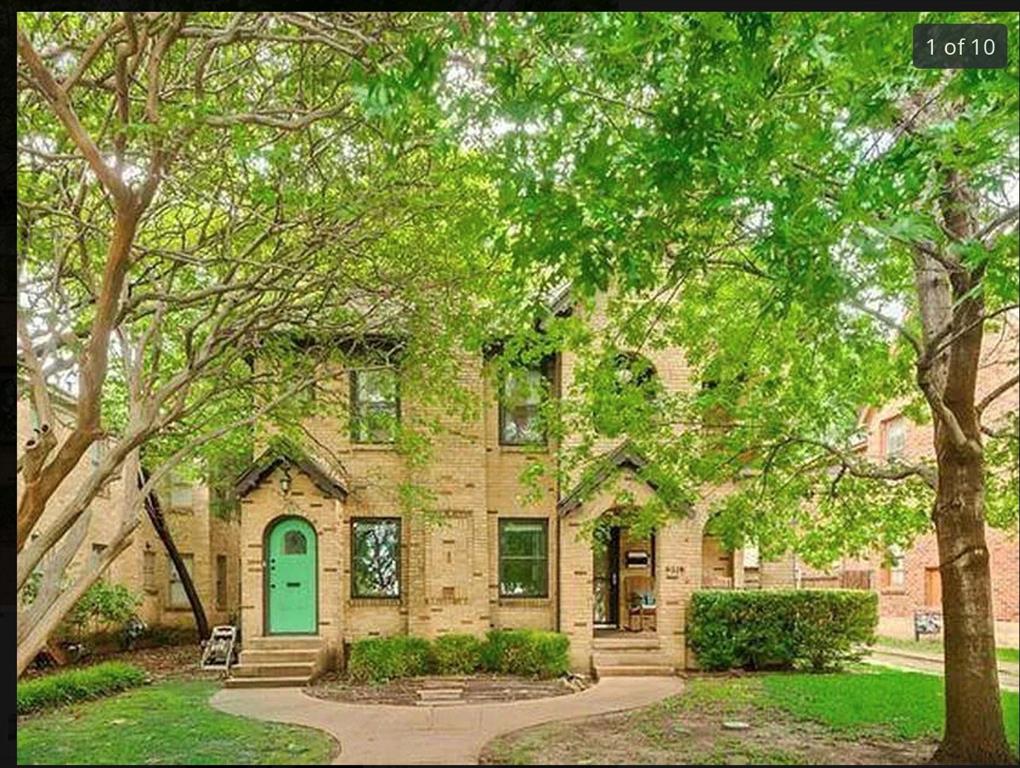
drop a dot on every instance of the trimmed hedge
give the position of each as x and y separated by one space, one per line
77 685
378 659
782 628
525 652
456 654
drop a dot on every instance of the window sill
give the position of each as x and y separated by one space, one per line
893 591
524 602
366 602
524 448
368 447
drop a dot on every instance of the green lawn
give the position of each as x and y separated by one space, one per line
930 645
166 723
906 705
865 715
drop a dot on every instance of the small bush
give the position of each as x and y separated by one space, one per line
456 654
781 629
105 606
527 652
377 659
77 685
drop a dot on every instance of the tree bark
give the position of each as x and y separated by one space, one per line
952 309
974 732
155 512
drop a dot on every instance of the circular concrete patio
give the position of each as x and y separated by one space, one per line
400 735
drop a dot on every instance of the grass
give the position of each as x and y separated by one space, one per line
865 715
933 646
163 724
904 705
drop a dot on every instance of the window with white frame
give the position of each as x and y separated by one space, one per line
751 556
895 437
177 597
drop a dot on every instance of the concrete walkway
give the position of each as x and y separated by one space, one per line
1009 674
374 734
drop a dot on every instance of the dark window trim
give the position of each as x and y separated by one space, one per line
499 556
354 409
400 556
547 369
221 599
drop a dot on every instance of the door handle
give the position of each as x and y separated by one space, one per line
293 583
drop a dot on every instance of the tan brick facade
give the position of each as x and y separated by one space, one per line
450 572
144 567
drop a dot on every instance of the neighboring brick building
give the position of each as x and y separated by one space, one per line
908 580
328 557
208 542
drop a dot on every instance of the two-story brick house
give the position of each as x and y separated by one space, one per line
328 558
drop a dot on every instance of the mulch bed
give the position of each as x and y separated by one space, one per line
172 662
476 689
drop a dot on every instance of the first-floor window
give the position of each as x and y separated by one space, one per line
178 598
149 569
524 558
893 574
221 581
375 557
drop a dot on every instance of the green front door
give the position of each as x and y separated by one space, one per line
291 578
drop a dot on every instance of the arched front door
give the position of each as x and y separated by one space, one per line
292 601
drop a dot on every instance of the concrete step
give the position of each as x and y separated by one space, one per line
441 694
300 656
630 657
625 643
306 669
284 643
645 670
265 682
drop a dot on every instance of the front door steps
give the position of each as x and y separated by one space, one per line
639 655
278 661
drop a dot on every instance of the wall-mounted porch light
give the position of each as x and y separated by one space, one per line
285 480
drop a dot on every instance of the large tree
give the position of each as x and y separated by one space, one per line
821 227
206 203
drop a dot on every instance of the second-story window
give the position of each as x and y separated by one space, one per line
375 405
520 418
895 438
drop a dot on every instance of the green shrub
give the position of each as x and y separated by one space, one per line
77 685
104 606
527 652
456 654
781 629
378 659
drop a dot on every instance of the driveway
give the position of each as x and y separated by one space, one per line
379 734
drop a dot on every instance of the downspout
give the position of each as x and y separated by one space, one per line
556 509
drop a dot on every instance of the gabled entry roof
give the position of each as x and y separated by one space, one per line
623 456
285 455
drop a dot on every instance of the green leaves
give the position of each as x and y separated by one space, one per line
760 164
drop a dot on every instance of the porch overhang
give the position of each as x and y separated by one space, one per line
330 483
624 456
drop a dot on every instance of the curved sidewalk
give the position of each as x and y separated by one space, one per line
401 735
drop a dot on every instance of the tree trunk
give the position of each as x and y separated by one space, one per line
951 306
974 732
155 512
